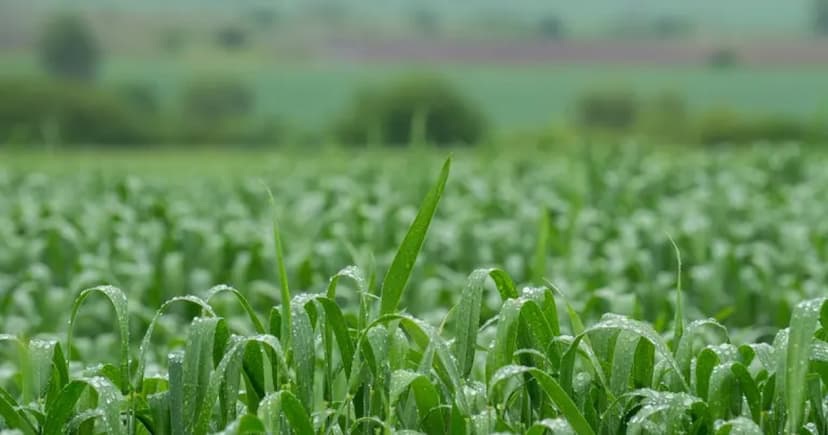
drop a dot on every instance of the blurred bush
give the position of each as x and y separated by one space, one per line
412 110
557 134
551 27
231 132
665 118
35 111
231 37
217 99
220 110
723 57
780 129
140 96
68 48
720 125
211 112
820 17
724 126
608 109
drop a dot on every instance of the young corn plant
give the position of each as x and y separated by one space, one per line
317 366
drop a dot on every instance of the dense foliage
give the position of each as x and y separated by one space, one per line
36 111
414 110
304 343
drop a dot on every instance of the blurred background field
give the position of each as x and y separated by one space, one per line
303 73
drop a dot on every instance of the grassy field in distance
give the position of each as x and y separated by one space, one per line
312 94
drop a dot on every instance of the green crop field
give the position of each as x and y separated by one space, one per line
588 291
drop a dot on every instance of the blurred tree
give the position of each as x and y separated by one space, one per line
425 21
231 37
670 26
551 27
723 58
821 17
215 99
412 111
219 110
607 109
68 48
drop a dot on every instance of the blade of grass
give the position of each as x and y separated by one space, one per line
119 303
283 278
41 355
339 329
612 321
12 416
60 373
539 259
146 341
468 321
198 366
218 376
400 270
25 371
304 352
251 314
425 395
803 325
176 376
503 282
679 315
64 406
751 392
552 389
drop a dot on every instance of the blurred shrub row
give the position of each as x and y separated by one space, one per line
70 112
37 111
223 111
666 118
414 111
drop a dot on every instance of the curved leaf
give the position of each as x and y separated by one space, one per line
552 389
119 303
400 270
